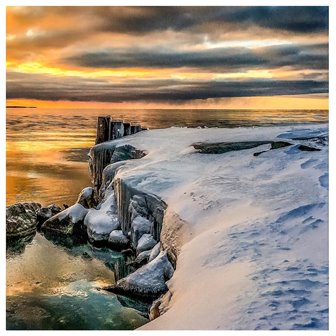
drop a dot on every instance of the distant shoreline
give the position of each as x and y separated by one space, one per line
18 106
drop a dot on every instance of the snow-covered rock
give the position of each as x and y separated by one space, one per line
252 230
118 240
147 281
102 221
68 222
154 252
139 227
86 198
146 242
142 258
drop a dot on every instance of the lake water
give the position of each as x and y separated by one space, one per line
47 148
56 287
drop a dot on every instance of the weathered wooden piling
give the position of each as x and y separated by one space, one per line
127 128
108 129
103 129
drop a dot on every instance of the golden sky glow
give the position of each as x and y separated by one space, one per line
167 57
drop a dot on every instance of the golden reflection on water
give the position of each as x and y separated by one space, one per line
45 268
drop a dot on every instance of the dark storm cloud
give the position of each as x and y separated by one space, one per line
46 87
138 20
296 56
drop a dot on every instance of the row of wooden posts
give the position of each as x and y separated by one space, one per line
108 129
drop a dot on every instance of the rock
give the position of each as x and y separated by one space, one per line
279 144
21 219
149 281
126 152
86 198
224 147
100 224
160 306
146 242
154 252
68 222
141 259
102 221
139 227
47 212
118 240
308 148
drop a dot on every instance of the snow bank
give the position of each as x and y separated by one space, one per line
250 232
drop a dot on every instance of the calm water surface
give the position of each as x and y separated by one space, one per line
47 148
53 287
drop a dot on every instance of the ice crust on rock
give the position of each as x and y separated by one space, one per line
67 221
118 239
149 280
139 227
154 252
252 230
86 198
146 242
102 221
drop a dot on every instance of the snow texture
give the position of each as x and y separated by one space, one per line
102 221
253 248
146 242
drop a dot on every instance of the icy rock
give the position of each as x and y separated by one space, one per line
47 212
154 252
139 227
142 258
146 242
86 198
102 221
68 222
100 224
137 207
118 240
147 281
126 152
21 219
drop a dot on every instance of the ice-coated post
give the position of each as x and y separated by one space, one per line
103 126
133 129
127 128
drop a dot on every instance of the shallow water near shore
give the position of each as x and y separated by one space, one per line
53 287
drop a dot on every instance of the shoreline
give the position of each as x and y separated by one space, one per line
147 175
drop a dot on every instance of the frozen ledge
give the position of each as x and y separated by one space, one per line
248 233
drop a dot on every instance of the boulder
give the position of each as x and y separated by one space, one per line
139 227
141 259
146 242
102 221
68 222
86 198
100 224
118 240
154 252
21 219
149 281
47 212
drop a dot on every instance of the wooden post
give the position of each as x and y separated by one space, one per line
137 128
117 129
103 126
127 128
133 129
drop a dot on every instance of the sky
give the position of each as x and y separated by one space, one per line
167 57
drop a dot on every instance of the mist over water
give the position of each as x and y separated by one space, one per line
47 148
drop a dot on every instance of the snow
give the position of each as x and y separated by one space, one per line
154 252
254 249
150 279
139 227
102 221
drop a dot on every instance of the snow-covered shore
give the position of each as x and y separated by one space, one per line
253 249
